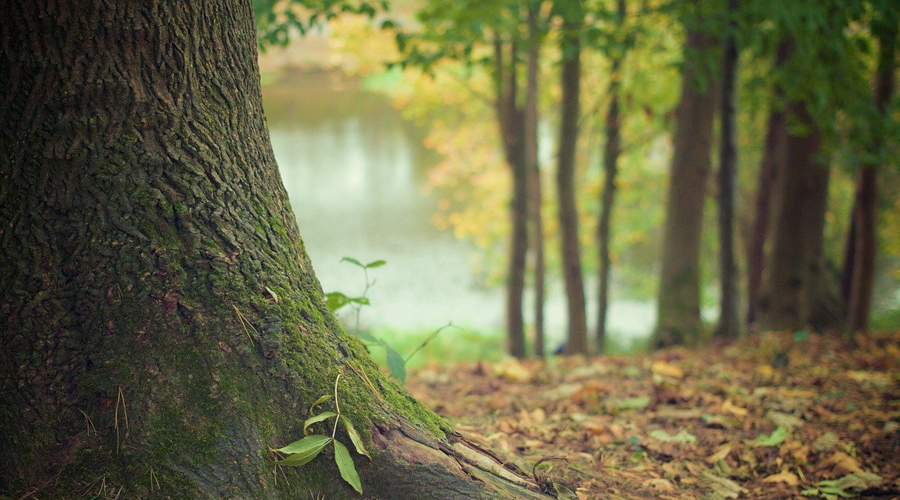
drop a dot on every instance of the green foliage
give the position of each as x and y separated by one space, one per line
277 19
303 451
336 300
774 439
849 486
396 363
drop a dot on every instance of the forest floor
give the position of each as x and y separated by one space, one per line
771 416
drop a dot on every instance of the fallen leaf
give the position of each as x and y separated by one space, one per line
719 487
786 420
512 370
666 370
825 442
788 478
660 484
735 410
774 439
720 454
839 464
682 436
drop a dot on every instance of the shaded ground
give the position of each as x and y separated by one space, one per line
775 416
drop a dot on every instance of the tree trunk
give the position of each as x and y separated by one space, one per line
510 118
678 319
565 178
611 152
535 198
771 165
162 327
794 276
729 323
866 240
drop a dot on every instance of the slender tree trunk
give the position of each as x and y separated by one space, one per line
611 152
565 180
729 323
846 284
772 164
532 160
865 242
510 117
679 292
794 275
162 327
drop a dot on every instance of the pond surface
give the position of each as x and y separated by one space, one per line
355 171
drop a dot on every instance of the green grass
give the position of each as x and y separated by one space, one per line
457 344
452 345
886 319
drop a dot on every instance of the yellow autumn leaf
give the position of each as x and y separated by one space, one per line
788 478
735 410
720 454
666 370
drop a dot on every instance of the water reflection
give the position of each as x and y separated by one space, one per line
354 171
354 175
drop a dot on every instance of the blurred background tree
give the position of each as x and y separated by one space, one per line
483 87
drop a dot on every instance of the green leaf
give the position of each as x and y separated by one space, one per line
318 418
319 401
336 300
304 450
353 261
564 493
359 300
776 438
376 263
355 437
396 365
368 337
682 436
345 465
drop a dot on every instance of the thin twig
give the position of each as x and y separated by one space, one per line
121 398
429 339
245 323
337 406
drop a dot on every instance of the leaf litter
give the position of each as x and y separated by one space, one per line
773 416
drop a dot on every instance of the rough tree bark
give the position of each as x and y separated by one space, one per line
679 290
570 45
161 323
865 240
729 322
532 160
510 117
793 278
773 157
611 151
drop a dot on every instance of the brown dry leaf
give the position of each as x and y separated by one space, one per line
594 429
667 370
538 416
720 454
765 370
788 478
797 451
787 392
512 370
839 464
735 410
590 392
660 485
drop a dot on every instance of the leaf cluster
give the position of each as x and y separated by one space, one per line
276 19
303 451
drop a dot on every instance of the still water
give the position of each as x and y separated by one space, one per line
355 171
